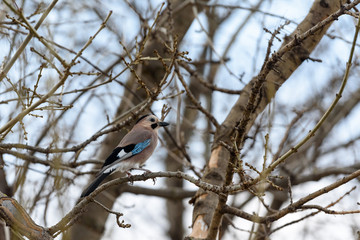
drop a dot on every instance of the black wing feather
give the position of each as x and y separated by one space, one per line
114 155
129 147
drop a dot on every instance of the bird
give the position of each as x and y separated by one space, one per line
132 151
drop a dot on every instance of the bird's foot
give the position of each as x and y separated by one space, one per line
129 175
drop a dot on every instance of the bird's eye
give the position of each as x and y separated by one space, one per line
152 119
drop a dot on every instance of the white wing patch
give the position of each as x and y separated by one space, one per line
123 155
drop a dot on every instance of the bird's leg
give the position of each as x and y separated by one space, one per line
129 175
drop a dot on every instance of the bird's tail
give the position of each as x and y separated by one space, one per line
94 184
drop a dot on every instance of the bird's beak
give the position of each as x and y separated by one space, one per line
163 124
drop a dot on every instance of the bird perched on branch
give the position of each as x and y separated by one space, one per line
133 150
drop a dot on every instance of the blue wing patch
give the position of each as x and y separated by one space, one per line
140 146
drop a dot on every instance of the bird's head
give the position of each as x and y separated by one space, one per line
150 121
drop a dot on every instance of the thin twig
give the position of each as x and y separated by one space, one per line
16 55
193 99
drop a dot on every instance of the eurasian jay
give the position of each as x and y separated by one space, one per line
133 150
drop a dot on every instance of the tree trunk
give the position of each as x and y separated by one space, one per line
207 209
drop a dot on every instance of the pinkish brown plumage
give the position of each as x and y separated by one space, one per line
133 150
